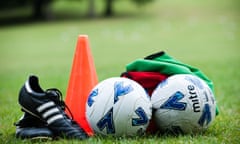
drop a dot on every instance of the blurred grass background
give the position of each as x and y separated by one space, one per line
204 34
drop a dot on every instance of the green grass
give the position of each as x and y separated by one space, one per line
204 34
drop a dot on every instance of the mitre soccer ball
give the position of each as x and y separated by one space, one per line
119 107
183 103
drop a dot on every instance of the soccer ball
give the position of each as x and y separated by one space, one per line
183 103
118 106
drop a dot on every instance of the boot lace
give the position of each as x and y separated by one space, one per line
56 96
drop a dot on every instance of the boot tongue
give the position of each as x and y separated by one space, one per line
53 95
56 96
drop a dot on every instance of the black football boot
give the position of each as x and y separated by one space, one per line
47 106
30 127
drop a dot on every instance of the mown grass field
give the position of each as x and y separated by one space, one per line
204 34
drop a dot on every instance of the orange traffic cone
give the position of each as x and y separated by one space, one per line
82 79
